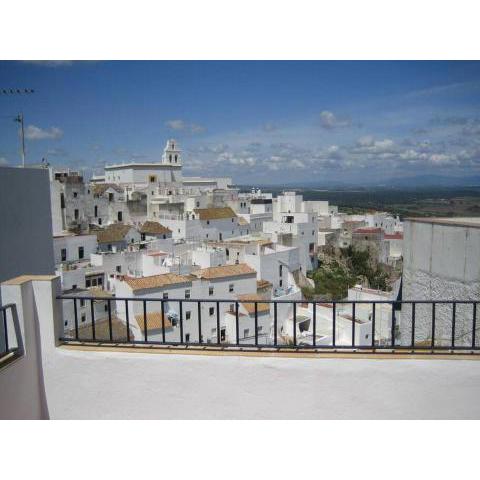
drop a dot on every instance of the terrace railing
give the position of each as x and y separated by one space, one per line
380 326
11 344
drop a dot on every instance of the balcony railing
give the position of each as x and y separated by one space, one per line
11 345
357 326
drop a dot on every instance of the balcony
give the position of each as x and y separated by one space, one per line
106 370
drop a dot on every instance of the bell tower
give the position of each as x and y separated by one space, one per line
171 153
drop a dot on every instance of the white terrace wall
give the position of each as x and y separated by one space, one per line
84 383
441 262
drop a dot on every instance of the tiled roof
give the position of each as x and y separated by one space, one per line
113 233
215 213
154 321
224 271
368 230
242 221
250 307
99 292
263 284
101 188
102 330
157 281
154 228
393 236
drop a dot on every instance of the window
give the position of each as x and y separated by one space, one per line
187 293
165 295
100 281
211 311
198 204
74 287
187 338
83 318
208 222
152 179
109 247
82 302
281 283
110 197
227 252
106 307
170 158
96 211
176 158
119 216
210 291
280 270
118 268
99 221
75 195
259 329
80 252
246 332
188 315
64 254
62 200
76 214
88 283
233 220
222 335
231 287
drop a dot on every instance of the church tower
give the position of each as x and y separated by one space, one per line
172 154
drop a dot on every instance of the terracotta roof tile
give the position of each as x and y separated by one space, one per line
113 233
154 321
215 213
154 228
224 271
250 307
157 281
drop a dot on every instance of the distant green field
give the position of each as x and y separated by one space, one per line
431 201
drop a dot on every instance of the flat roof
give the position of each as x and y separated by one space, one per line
473 222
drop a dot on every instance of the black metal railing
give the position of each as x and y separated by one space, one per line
418 326
11 345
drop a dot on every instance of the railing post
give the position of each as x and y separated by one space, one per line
256 324
162 311
433 325
393 325
275 324
145 322
218 322
353 324
294 323
454 313
127 317
180 306
237 328
76 317
199 312
5 329
92 314
474 326
374 313
413 325
314 339
334 324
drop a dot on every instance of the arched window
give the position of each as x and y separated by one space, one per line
170 158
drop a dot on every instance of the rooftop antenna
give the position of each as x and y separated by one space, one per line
19 117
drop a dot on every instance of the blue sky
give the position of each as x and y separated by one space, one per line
265 122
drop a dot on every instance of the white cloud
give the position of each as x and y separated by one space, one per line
329 121
181 125
36 133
